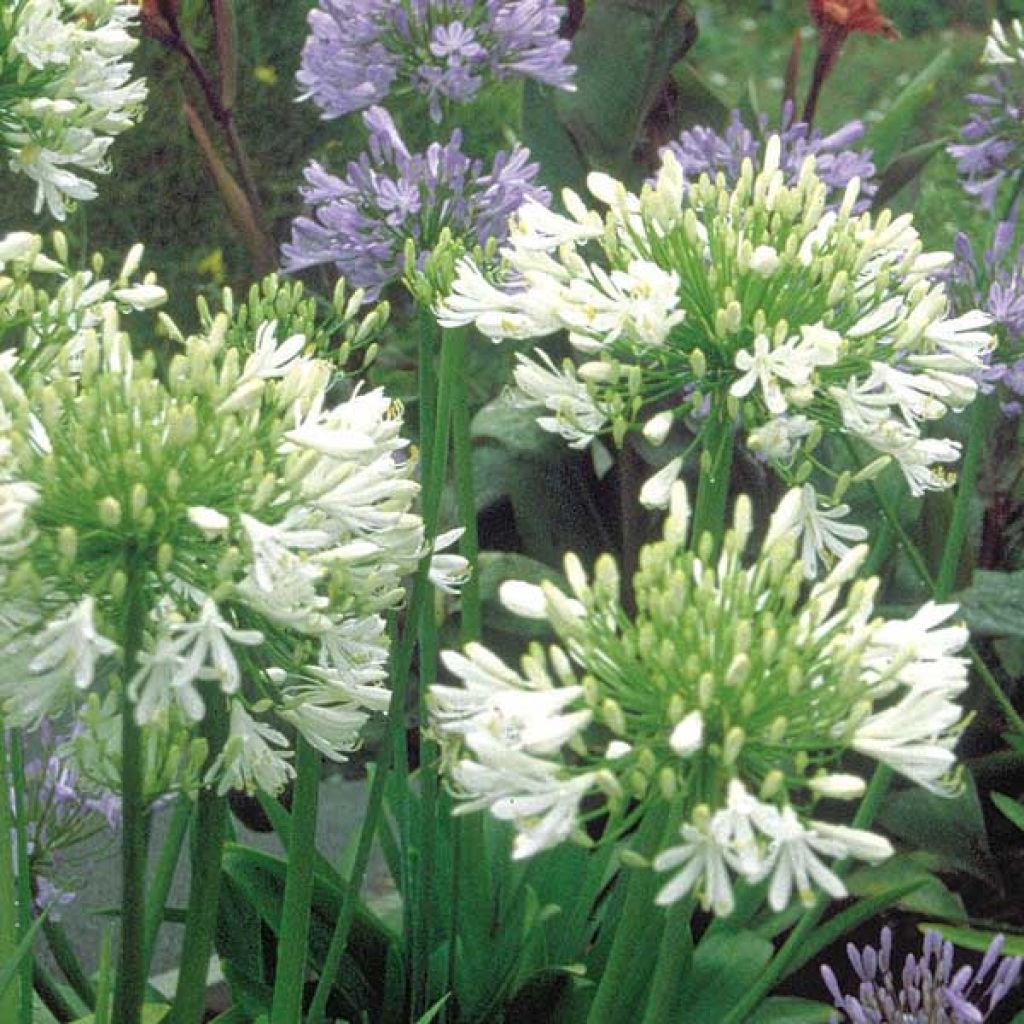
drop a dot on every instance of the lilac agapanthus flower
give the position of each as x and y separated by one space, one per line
702 150
360 223
923 990
995 284
61 812
988 153
360 51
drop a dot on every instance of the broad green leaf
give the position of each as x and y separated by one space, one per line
1010 808
972 938
904 169
929 896
724 967
789 1010
515 429
993 605
623 51
887 136
699 104
952 828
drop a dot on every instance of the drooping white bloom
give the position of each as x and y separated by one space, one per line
700 859
68 92
255 757
822 535
1004 45
576 416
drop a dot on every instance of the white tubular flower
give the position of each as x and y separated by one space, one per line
448 571
823 537
576 417
732 694
495 700
748 302
1004 46
700 859
793 860
68 92
254 758
205 649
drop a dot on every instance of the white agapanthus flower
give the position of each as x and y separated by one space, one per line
68 92
1005 43
730 698
747 308
222 527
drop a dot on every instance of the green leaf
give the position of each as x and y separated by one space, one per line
904 169
24 948
952 828
152 1013
698 102
929 895
432 1013
993 605
888 135
1010 808
624 51
788 1010
725 965
361 977
972 938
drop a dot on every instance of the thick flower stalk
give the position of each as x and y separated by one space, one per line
262 531
731 696
988 155
792 321
702 150
362 223
360 52
928 989
67 92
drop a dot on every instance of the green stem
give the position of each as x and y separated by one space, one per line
61 1002
465 499
204 892
350 895
620 972
966 484
170 854
64 953
24 874
715 470
674 956
286 1007
12 999
779 966
131 976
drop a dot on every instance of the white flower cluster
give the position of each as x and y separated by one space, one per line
260 531
731 696
1005 44
68 92
789 321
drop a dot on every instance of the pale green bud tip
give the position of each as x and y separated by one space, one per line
838 787
67 543
611 713
109 511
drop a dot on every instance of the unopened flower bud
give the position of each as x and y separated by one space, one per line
109 511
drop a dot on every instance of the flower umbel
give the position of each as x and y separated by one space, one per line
362 222
923 990
68 92
361 51
794 322
266 530
731 695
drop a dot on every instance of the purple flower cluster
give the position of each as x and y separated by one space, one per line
995 284
359 51
702 150
361 222
60 813
991 139
927 990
